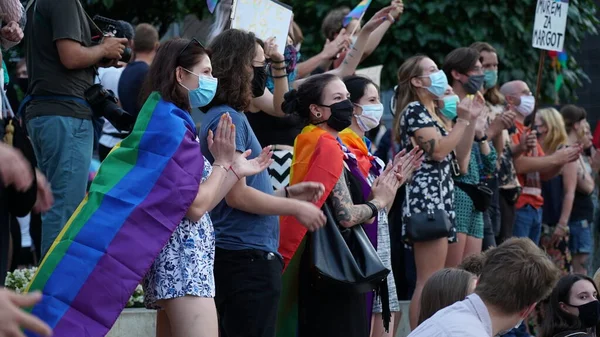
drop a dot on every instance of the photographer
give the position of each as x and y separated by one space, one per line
61 60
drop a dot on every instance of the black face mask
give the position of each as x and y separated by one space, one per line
589 313
259 82
474 84
341 115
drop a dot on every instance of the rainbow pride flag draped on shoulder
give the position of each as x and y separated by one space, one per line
141 192
318 157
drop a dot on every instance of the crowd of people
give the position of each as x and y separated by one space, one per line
306 216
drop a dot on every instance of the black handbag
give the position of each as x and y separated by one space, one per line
427 226
344 259
480 194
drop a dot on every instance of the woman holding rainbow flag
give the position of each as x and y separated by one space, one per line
320 156
146 211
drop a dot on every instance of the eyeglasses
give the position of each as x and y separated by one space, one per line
188 44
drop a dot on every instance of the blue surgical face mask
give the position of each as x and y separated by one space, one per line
207 88
490 79
450 105
439 83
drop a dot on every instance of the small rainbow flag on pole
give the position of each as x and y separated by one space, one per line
357 12
142 190
212 4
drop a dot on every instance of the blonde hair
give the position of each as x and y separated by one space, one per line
406 92
557 133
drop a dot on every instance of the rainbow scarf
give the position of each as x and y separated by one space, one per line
357 13
142 191
318 156
356 145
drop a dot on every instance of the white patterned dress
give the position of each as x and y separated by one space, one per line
185 264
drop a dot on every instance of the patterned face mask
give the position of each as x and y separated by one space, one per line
291 56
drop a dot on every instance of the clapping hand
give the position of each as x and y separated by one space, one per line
471 107
406 163
222 144
307 191
244 167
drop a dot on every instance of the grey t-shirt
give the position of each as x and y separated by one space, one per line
49 21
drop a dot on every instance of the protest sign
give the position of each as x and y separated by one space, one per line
265 18
550 24
373 73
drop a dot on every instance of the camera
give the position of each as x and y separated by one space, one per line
104 104
113 28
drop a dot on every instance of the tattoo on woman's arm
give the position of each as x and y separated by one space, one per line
346 212
428 145
350 54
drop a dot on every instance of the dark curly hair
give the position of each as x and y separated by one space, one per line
161 75
233 51
310 92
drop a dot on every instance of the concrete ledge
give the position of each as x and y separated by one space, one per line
139 322
135 322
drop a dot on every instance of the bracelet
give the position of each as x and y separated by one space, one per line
463 120
281 76
278 68
287 193
373 209
482 139
275 62
232 170
221 166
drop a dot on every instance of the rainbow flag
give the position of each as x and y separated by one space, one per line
212 4
141 192
357 12
317 157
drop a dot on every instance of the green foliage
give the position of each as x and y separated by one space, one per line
431 27
436 27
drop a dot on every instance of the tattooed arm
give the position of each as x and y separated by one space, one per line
431 141
346 212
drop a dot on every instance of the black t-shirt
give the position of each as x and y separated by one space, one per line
130 85
272 130
47 22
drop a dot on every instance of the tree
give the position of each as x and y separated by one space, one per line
431 27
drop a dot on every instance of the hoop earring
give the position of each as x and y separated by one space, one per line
318 115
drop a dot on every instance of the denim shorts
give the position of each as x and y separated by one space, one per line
580 239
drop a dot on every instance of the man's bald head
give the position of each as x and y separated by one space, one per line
512 88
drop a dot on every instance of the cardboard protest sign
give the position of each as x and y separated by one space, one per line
265 18
550 24
373 73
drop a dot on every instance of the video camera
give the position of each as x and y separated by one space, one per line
112 28
104 104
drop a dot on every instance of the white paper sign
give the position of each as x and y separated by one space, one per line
373 73
550 24
265 18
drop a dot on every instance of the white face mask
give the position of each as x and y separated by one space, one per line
370 117
527 105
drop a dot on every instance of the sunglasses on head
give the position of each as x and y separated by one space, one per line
193 40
